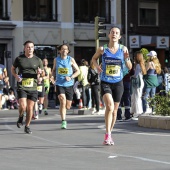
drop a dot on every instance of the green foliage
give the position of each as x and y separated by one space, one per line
161 104
144 51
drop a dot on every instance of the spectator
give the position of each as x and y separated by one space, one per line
160 88
4 79
85 84
166 80
126 98
12 101
137 84
93 79
153 68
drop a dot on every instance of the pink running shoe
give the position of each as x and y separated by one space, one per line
108 140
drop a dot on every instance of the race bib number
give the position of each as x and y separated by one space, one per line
39 88
112 70
27 82
62 70
46 81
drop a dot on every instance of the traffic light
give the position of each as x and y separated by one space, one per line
99 27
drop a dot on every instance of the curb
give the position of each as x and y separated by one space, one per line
88 112
157 122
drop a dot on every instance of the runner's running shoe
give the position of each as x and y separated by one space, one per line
35 115
45 113
27 130
64 125
40 111
20 122
108 140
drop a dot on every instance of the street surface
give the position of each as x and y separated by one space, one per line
80 146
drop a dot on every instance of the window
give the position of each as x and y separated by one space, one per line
40 10
4 13
148 13
86 10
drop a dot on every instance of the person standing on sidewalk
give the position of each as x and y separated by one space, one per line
93 79
153 67
126 98
66 69
4 79
29 67
137 85
111 72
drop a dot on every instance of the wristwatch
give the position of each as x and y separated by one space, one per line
127 59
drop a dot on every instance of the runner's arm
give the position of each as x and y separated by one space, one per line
76 69
126 58
96 57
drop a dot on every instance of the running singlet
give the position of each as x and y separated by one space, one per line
47 81
63 69
112 66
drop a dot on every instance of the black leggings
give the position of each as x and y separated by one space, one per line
85 95
95 96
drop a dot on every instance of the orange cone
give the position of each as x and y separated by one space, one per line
80 104
101 105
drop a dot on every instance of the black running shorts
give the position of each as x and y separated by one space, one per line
31 95
68 91
115 89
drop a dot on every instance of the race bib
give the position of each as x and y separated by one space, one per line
27 82
62 70
113 70
46 81
39 88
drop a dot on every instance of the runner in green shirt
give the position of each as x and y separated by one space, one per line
29 68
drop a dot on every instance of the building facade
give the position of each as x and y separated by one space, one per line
49 23
148 26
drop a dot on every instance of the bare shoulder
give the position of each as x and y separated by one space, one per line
100 50
72 60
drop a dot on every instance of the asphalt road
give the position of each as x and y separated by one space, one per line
80 146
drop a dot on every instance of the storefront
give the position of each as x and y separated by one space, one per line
160 44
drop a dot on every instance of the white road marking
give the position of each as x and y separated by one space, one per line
112 157
140 158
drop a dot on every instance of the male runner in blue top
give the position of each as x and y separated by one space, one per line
63 66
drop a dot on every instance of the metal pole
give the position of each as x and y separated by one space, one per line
126 32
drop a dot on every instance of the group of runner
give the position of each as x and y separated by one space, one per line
32 72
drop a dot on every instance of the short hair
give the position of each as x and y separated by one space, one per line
28 41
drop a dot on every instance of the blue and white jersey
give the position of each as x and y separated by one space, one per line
63 69
112 65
